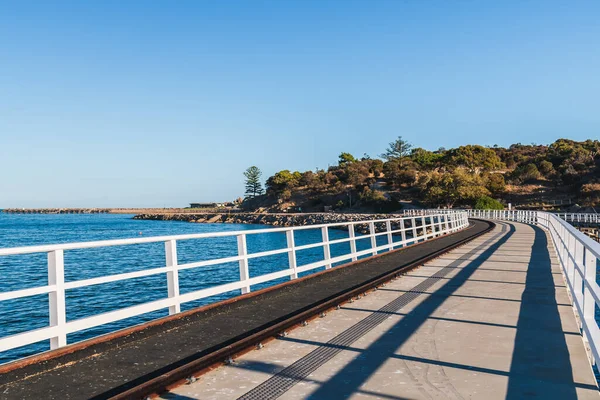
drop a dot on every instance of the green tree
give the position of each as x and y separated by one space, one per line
476 158
526 173
397 149
283 181
546 168
345 159
375 166
397 175
449 188
569 152
253 185
372 196
487 203
425 158
496 184
357 174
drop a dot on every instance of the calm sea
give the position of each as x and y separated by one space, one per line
25 271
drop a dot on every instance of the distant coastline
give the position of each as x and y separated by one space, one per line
96 210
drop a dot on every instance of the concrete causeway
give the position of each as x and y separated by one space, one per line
489 320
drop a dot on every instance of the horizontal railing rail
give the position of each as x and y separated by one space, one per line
592 218
399 231
586 218
578 256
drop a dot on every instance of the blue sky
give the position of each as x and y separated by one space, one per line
136 103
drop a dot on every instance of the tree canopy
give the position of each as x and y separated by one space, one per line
397 149
476 158
346 158
460 176
253 184
487 203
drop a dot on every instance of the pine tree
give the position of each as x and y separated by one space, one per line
253 185
397 149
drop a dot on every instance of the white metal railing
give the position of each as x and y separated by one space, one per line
578 256
586 218
409 230
591 218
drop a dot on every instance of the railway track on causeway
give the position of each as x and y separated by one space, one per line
147 360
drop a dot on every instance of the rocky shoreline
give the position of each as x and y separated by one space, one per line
271 219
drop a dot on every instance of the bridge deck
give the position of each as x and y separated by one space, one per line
491 320
122 363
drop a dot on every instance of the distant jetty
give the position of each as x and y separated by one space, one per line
96 210
56 210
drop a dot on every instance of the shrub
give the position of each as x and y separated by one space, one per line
546 168
397 175
496 184
369 196
527 173
487 203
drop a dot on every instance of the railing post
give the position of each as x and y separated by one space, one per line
578 277
414 229
172 275
243 253
571 258
589 304
373 238
388 227
58 310
564 245
289 235
440 220
326 248
424 226
352 237
403 232
446 221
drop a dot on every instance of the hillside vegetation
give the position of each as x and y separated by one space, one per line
562 173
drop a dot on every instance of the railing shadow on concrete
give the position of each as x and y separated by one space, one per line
399 231
540 352
578 255
349 379
530 350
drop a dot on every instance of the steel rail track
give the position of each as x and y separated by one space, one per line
197 367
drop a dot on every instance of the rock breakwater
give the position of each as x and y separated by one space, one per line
275 219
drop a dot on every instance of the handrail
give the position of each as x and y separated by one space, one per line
578 256
409 229
592 218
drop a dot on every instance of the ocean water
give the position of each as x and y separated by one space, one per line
26 271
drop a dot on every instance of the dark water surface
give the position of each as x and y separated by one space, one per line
26 271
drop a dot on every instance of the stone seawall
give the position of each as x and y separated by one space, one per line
274 219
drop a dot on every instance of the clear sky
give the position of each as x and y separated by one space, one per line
161 103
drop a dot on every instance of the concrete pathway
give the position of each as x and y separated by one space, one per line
490 320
